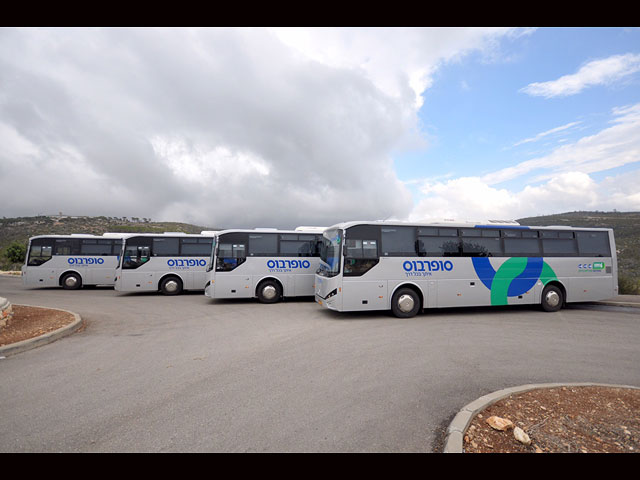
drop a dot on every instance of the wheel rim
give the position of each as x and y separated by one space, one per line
552 298
406 303
171 286
269 292
71 281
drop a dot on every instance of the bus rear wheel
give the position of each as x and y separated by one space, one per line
269 291
71 281
405 303
171 286
552 298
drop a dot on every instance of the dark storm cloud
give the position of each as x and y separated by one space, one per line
217 127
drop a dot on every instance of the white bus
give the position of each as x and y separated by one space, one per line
265 263
408 267
71 261
169 262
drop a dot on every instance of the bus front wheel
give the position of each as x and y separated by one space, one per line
171 286
269 291
405 303
71 281
552 298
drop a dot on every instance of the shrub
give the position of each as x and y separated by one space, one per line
628 285
16 252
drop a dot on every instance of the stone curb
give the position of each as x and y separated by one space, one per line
25 345
458 427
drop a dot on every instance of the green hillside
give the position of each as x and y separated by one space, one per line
626 226
21 228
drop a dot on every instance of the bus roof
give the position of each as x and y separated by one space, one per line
81 235
481 224
171 234
267 230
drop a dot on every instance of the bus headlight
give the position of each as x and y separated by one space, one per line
331 294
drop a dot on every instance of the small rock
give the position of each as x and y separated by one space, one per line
498 423
521 436
538 450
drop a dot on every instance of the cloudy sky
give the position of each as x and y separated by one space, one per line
286 127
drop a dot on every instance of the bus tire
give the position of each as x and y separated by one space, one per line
405 303
552 298
71 281
171 286
269 291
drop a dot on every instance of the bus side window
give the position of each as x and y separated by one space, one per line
361 256
230 256
39 253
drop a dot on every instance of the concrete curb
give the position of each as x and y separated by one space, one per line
25 345
458 427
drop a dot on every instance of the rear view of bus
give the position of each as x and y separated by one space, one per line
169 263
267 264
407 267
71 261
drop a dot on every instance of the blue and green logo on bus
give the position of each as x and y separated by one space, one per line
514 277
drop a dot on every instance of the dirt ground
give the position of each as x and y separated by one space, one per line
589 419
30 322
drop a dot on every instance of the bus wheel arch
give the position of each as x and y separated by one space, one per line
70 280
269 290
407 300
554 296
171 285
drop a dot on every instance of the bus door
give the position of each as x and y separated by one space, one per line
134 274
231 279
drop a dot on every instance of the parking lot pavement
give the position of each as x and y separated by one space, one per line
153 373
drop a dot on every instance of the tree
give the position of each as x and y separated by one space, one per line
16 252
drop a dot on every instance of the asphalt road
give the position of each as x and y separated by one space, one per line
188 374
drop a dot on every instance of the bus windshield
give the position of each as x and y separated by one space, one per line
330 253
210 265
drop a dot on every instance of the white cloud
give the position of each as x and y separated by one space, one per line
546 133
597 72
399 61
220 127
560 181
612 147
471 199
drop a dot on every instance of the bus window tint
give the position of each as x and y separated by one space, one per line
96 247
137 252
521 247
362 255
196 247
263 245
230 255
559 244
66 246
594 244
330 252
478 242
166 247
398 241
438 242
40 252
361 250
